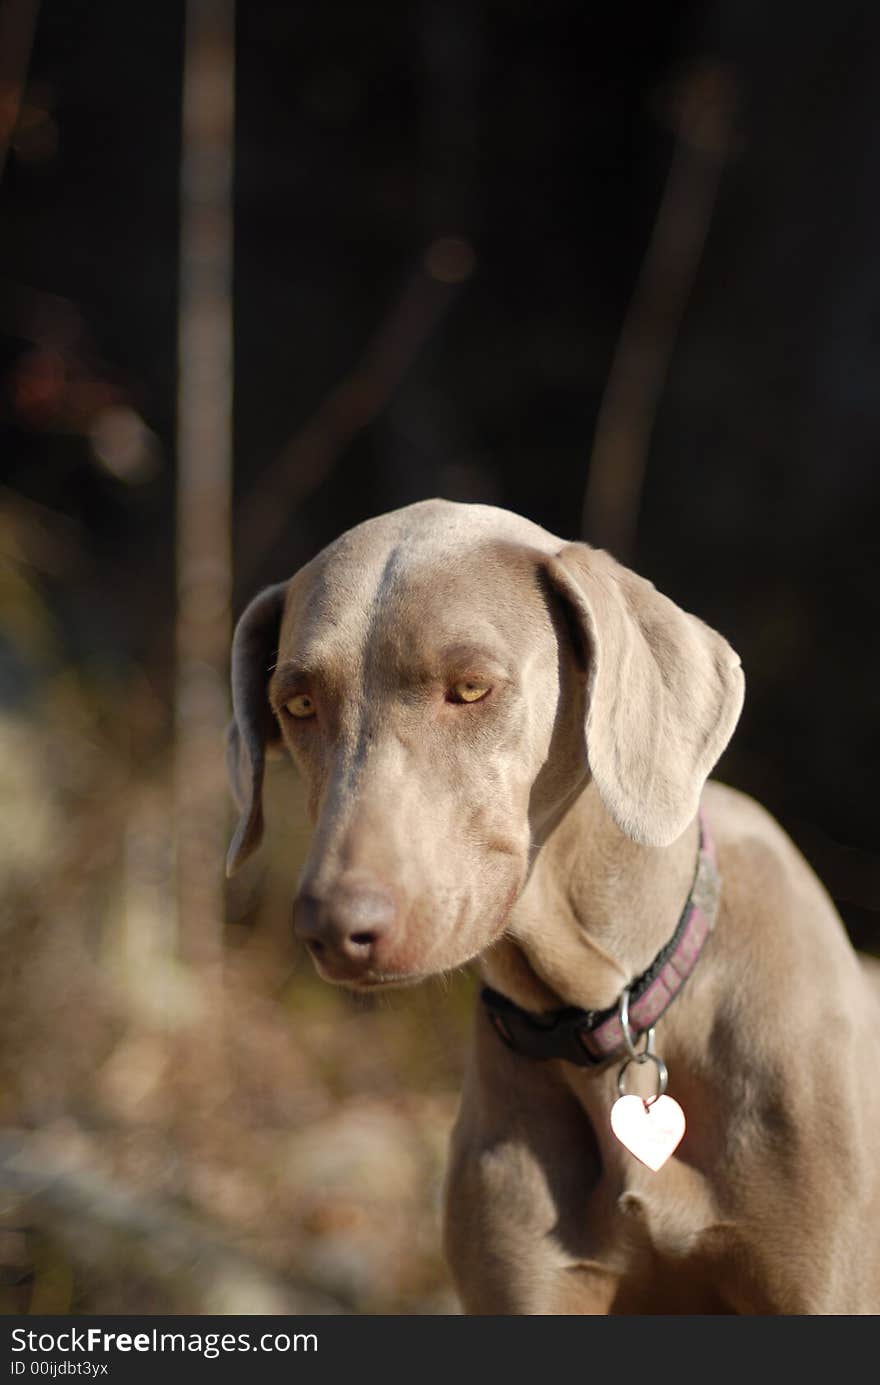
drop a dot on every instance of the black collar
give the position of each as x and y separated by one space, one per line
591 1037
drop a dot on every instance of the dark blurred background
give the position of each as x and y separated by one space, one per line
612 267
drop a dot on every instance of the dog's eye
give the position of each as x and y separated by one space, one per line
468 690
301 706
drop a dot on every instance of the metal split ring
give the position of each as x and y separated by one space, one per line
662 1075
637 1055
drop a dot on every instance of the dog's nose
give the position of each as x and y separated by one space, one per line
347 929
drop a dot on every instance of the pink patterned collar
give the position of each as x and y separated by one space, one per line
591 1037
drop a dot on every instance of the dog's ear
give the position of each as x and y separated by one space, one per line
254 653
664 693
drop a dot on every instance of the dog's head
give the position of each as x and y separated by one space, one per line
448 678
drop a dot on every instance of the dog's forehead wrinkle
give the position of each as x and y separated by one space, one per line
405 607
431 537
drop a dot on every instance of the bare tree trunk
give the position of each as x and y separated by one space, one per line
702 117
204 453
18 19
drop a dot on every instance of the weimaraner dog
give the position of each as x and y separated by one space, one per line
506 740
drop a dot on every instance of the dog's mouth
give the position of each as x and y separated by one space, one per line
390 981
339 972
372 980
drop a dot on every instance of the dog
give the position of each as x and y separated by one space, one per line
506 740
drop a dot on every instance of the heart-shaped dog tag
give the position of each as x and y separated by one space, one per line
651 1132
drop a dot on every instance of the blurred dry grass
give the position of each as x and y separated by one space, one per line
269 1123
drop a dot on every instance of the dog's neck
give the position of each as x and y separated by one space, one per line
595 912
